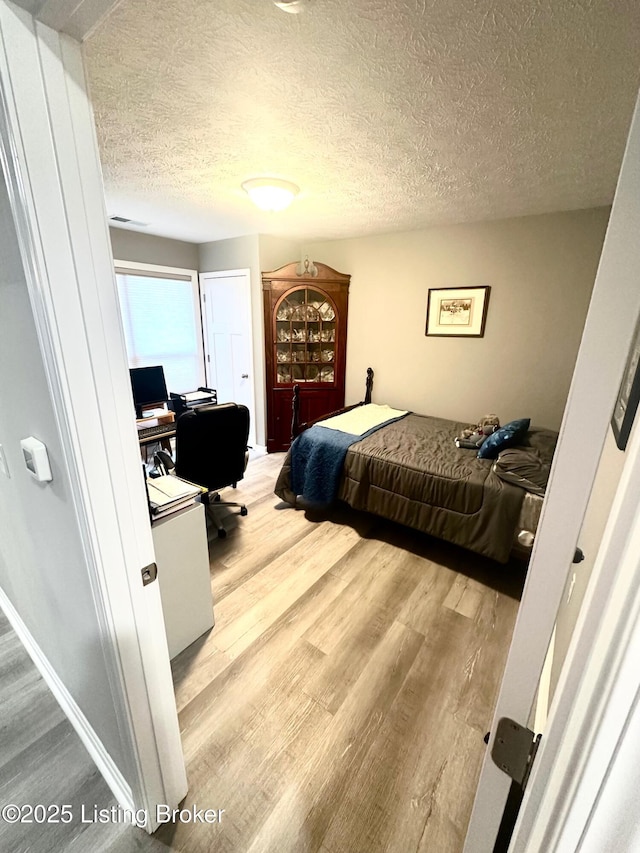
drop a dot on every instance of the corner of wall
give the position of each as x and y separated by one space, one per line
275 252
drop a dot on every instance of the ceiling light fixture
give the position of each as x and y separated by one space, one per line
292 6
270 193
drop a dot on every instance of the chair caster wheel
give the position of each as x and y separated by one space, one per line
243 510
222 534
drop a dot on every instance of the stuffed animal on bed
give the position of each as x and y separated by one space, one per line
473 437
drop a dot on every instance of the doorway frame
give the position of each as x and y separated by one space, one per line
50 159
598 691
591 399
597 696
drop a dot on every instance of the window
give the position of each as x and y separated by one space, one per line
162 325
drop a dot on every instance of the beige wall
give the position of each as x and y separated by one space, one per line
541 270
43 569
275 252
148 249
233 254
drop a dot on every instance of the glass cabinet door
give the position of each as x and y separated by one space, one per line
305 337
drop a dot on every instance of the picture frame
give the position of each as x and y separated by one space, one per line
624 411
457 312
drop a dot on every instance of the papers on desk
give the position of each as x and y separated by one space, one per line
194 396
168 494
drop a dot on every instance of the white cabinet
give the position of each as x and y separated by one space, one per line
182 557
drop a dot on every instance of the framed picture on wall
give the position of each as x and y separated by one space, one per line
624 410
457 312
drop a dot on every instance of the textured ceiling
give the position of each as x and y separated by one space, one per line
389 114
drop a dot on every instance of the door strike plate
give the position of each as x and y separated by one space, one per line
514 750
149 574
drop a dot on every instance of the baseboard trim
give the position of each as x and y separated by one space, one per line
118 785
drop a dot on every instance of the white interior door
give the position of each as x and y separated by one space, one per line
603 352
228 340
583 790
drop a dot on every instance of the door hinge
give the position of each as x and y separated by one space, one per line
149 574
514 750
204 297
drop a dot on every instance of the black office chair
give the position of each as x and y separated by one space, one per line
212 451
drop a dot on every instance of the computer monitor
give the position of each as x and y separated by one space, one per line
149 387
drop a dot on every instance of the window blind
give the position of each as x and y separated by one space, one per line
161 318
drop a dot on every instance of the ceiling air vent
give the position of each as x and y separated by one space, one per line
126 221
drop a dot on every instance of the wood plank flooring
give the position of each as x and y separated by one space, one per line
339 704
42 760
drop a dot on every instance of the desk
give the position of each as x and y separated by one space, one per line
182 557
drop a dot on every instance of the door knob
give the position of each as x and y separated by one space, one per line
245 376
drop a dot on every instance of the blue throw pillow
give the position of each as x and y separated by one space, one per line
506 436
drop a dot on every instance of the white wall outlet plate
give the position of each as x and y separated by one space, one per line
36 459
4 467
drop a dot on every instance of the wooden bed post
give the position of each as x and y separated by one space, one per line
295 407
369 386
297 427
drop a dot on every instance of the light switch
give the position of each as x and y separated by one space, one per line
36 459
4 468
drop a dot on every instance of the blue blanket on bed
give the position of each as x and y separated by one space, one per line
317 457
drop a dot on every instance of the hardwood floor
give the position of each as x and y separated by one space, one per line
42 760
340 702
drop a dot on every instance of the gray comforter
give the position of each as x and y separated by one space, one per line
411 472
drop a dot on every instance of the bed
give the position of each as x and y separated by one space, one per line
409 470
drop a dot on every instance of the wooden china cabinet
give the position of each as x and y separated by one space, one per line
305 323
